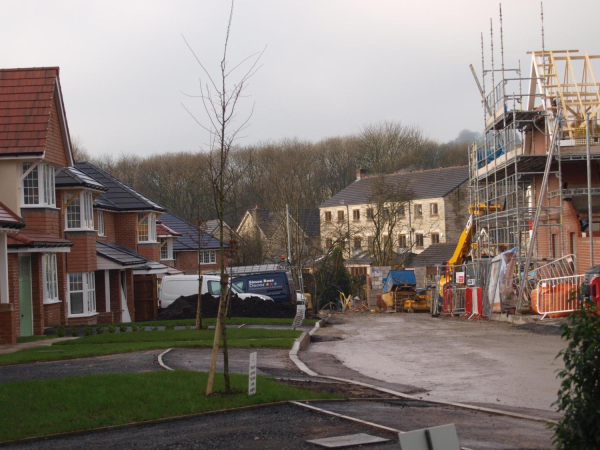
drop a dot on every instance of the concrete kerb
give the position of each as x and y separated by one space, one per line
304 368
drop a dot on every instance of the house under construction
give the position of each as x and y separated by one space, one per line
529 176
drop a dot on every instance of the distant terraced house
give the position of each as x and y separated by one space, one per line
403 212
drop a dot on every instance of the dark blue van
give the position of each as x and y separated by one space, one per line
274 284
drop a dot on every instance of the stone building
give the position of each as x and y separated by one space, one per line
431 207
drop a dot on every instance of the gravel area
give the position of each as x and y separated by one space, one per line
451 359
273 427
126 362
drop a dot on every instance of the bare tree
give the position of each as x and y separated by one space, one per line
220 99
80 152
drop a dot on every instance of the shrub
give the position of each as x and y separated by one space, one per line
88 330
579 393
74 331
111 328
122 329
142 328
169 326
134 327
99 330
154 328
60 331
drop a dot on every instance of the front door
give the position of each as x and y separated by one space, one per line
25 305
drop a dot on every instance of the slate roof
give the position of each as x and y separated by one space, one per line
119 196
435 254
9 219
36 240
422 184
267 221
73 177
189 234
26 97
119 253
310 221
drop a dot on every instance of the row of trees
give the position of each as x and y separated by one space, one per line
270 175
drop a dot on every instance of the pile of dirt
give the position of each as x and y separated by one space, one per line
185 308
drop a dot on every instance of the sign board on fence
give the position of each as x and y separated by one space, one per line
300 310
252 374
460 277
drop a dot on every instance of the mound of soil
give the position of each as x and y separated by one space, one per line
185 308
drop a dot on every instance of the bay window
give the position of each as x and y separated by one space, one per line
208 257
146 227
100 223
38 185
80 212
50 279
166 248
82 293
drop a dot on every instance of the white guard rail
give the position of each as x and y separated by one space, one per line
558 296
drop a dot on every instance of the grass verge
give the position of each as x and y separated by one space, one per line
25 339
113 343
43 407
211 321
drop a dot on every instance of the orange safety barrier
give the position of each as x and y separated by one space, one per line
555 300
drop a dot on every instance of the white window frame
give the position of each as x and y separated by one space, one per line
50 278
88 291
100 223
207 256
168 244
150 220
86 211
46 195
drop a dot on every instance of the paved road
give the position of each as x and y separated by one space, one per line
126 362
488 363
270 361
273 427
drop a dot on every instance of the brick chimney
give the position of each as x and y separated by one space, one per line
360 173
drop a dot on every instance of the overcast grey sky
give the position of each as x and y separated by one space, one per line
330 68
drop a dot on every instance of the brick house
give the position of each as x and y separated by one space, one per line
34 147
191 246
433 210
128 249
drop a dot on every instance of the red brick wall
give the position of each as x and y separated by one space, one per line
8 324
90 320
125 226
13 290
188 262
109 225
82 257
55 149
151 251
52 314
115 294
61 267
41 220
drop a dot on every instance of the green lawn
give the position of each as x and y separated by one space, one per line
42 407
211 321
25 339
111 343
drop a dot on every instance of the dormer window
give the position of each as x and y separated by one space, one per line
80 215
146 227
38 185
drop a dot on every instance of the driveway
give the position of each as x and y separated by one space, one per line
447 359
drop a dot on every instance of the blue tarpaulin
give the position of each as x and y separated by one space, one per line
485 156
399 277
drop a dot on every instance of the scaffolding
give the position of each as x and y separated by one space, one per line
534 124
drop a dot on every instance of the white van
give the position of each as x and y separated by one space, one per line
174 286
